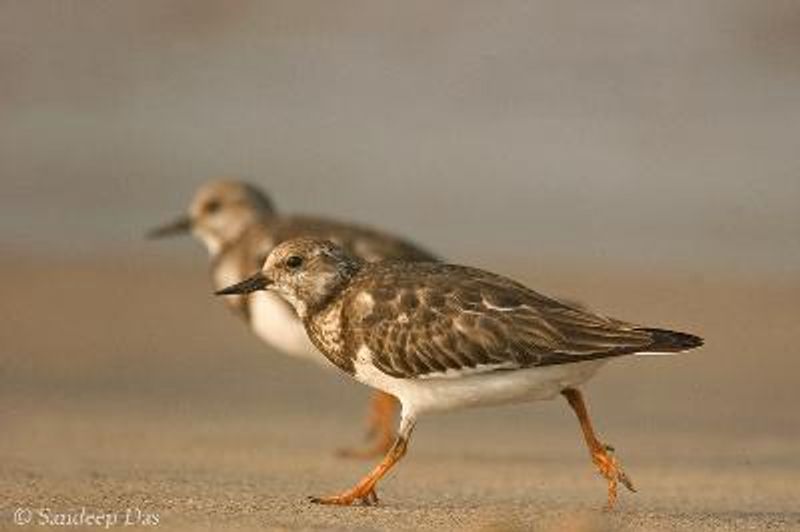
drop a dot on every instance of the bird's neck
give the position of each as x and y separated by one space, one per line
324 328
331 287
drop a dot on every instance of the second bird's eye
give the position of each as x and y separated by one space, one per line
294 262
213 206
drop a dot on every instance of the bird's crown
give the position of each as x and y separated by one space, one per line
225 194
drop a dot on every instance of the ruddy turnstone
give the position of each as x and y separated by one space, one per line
239 226
441 337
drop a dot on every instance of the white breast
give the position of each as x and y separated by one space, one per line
228 272
494 388
274 321
271 318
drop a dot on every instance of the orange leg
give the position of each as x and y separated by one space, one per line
602 455
364 492
381 428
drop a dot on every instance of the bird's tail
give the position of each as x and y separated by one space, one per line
667 342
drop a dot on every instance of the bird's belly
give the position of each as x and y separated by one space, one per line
224 275
274 321
227 272
495 388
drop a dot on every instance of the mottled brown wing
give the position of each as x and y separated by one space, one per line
363 242
461 320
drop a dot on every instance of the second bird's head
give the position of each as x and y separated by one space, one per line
307 272
219 212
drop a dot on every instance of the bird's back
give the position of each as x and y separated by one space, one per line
428 319
363 242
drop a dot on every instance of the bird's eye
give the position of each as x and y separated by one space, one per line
294 262
213 206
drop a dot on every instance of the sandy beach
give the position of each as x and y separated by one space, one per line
641 158
127 388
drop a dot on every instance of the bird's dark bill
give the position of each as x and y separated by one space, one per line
252 284
181 226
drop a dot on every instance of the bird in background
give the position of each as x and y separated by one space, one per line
239 226
442 337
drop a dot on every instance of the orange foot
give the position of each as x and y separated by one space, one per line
611 470
366 496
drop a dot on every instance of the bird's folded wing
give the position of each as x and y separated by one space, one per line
487 324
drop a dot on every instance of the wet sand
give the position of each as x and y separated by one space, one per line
124 385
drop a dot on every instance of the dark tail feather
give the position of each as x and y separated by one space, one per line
665 341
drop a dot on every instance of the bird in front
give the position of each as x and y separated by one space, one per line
442 337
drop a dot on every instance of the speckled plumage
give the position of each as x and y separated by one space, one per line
442 337
426 319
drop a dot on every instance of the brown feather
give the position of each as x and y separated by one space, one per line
429 318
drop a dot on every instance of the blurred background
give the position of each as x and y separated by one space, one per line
640 157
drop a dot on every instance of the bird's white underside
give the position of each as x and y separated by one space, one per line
275 322
272 319
227 272
446 392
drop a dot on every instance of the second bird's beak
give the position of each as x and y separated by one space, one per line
251 284
180 226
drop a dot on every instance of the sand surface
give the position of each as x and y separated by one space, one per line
125 386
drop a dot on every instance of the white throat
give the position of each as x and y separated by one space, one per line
274 321
211 241
298 304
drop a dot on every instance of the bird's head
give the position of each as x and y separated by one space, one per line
307 272
219 213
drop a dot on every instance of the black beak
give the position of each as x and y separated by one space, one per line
251 284
181 226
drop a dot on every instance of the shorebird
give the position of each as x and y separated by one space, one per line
441 337
239 226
